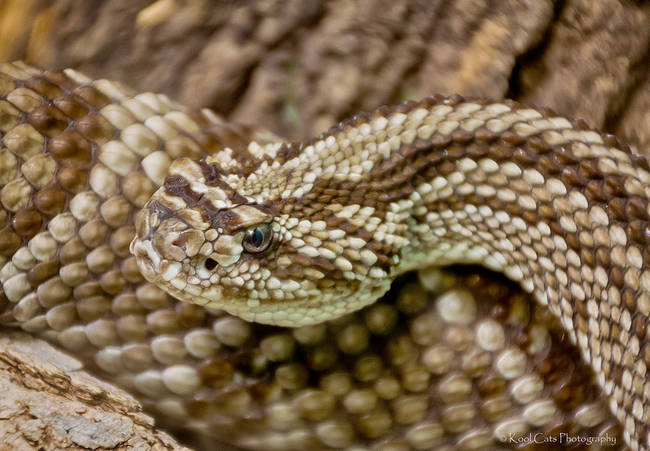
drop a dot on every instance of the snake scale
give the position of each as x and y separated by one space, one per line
308 236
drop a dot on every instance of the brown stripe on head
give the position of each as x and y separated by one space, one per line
234 219
177 185
214 176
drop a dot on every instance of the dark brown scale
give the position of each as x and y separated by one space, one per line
95 128
492 202
446 167
439 140
603 258
190 316
513 139
113 282
513 209
130 271
137 357
72 251
638 231
88 289
453 100
94 233
176 185
44 87
358 197
595 190
94 307
572 241
500 151
202 409
646 255
461 136
566 157
454 152
629 297
636 208
580 124
549 166
288 151
50 200
27 222
491 386
62 316
71 149
71 180
125 304
546 212
589 170
298 259
59 79
638 160
530 217
539 145
617 208
48 120
9 242
70 106
163 321
587 257
571 178
322 264
486 136
92 96
614 187
476 151
43 271
215 372
645 354
211 173
129 326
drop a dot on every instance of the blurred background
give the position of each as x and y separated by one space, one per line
298 66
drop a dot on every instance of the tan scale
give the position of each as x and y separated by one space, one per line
304 236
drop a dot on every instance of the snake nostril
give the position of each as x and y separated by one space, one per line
210 264
180 242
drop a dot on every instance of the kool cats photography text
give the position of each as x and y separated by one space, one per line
562 438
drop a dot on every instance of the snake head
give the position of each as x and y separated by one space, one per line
208 241
201 243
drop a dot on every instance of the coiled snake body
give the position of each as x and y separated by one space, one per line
298 234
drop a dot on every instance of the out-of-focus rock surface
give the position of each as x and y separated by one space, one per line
296 67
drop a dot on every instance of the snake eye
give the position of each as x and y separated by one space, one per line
258 238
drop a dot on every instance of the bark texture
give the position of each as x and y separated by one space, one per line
296 67
48 402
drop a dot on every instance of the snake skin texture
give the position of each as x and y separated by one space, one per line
308 235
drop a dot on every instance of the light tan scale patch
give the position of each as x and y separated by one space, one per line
114 90
118 116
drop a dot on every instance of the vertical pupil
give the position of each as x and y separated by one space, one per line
258 237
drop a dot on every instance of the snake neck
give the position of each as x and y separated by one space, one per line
555 206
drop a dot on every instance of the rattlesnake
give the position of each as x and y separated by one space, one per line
295 234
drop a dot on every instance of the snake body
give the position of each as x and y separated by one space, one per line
299 234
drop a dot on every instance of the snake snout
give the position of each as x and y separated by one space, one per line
147 258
